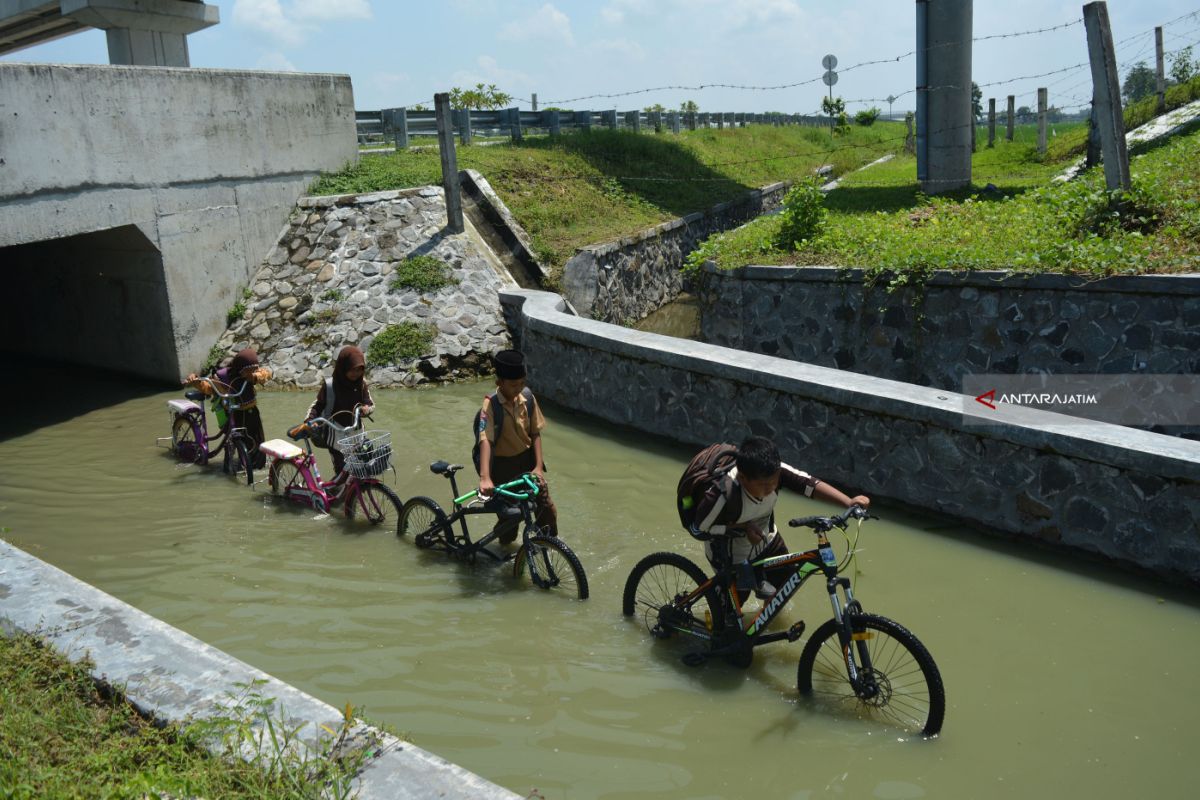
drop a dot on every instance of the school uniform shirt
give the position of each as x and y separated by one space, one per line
518 430
718 510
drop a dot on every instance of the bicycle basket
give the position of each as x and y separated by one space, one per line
368 453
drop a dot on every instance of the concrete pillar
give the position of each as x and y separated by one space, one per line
944 94
144 32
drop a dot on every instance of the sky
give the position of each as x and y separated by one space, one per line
400 52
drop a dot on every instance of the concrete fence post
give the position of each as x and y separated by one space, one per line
1042 105
1012 117
633 121
1160 77
1107 96
674 122
450 184
991 122
514 124
656 121
533 101
583 120
610 119
464 125
553 122
1092 157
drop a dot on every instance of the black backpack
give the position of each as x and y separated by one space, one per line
710 464
497 412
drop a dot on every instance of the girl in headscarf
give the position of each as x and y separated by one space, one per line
241 375
342 392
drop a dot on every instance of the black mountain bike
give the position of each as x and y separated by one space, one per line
856 659
551 564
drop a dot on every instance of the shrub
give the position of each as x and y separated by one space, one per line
423 273
867 118
397 342
235 313
803 217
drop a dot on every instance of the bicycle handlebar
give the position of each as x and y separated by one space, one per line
526 483
302 430
820 524
214 383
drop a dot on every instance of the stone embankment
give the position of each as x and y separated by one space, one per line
326 284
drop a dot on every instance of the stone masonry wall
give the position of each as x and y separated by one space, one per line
1097 488
325 285
958 324
625 280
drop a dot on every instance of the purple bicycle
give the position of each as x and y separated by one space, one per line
190 440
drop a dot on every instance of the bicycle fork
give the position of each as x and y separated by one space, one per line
859 670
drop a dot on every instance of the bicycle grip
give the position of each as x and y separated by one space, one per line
298 432
804 522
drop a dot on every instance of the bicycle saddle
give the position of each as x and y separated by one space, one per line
194 395
443 468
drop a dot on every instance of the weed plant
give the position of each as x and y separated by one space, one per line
423 273
396 343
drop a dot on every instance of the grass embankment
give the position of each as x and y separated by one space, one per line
878 220
583 188
60 737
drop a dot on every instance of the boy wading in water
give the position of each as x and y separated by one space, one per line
517 448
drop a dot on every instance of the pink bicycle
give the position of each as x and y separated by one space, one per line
189 439
293 472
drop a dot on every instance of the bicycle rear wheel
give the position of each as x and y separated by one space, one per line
375 503
902 686
285 475
661 590
551 564
424 523
187 440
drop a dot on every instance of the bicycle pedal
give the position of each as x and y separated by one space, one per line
796 631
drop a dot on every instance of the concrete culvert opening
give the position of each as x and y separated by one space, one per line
97 299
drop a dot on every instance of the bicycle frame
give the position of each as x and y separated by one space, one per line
316 492
198 417
526 489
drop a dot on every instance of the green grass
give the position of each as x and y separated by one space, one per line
61 737
423 273
398 342
583 188
1074 227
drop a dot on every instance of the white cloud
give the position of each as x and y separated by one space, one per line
616 11
547 24
266 16
332 9
490 71
276 62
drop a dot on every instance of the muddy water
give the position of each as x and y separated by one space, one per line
1063 680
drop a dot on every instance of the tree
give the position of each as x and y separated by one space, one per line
481 97
1025 114
1183 69
976 100
689 107
659 107
1140 82
836 108
867 117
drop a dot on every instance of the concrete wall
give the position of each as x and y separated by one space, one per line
626 279
1095 488
957 323
207 163
168 675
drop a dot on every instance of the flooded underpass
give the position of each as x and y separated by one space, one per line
1062 678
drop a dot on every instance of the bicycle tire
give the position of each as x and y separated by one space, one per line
282 476
241 453
374 509
554 560
655 584
424 521
187 440
911 694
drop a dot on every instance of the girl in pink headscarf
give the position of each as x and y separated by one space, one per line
349 389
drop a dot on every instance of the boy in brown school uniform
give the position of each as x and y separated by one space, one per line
518 448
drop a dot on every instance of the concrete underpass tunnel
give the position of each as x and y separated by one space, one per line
97 299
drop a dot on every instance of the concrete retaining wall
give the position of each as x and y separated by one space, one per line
624 280
172 676
206 163
958 324
1097 488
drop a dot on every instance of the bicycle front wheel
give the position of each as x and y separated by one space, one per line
237 461
662 590
187 440
551 565
424 523
901 686
375 503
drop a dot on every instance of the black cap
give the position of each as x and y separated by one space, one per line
509 364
